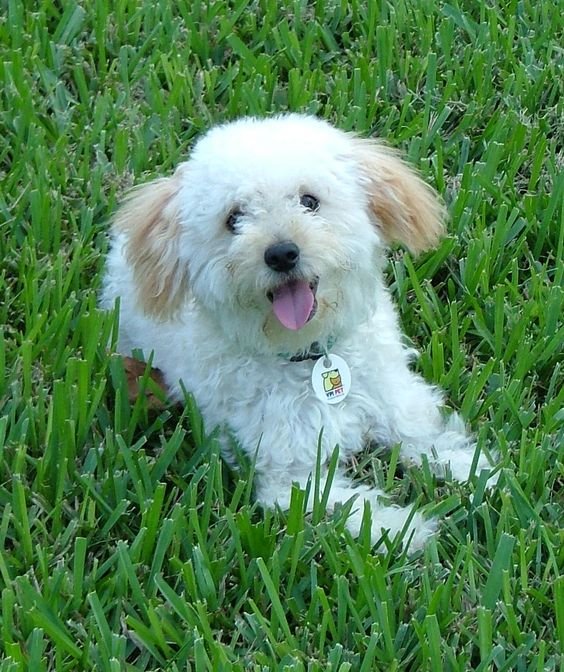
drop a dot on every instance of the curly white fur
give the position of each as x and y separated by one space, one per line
188 263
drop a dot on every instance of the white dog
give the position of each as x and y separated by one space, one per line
255 276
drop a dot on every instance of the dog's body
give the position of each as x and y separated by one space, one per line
264 250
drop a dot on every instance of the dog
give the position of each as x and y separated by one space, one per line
254 276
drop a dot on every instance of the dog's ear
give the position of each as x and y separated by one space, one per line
150 219
407 210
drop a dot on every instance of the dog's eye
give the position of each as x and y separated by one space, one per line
232 219
310 202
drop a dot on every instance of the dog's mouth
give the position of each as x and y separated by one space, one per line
294 302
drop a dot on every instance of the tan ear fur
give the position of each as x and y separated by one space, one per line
407 209
149 217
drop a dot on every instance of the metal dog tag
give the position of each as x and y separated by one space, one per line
331 379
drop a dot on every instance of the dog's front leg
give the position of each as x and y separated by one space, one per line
274 488
414 417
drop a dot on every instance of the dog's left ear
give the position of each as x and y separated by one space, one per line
407 210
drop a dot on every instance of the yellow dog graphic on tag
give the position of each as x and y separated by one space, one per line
332 383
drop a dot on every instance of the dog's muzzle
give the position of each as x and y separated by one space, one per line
293 300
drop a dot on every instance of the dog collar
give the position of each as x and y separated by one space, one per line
314 352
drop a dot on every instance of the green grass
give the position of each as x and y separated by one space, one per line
125 543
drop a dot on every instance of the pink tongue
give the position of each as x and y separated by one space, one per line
293 303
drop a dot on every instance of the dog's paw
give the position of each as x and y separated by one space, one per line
393 522
419 531
454 452
461 463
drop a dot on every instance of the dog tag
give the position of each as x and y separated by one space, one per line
331 379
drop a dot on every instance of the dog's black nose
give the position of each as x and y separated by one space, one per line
282 257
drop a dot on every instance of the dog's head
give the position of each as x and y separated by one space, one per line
275 228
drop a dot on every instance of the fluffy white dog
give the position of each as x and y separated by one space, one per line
255 276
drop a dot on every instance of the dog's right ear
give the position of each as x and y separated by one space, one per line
150 219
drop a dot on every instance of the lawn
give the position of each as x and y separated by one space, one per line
125 542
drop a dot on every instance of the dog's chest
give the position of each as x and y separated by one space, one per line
276 406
